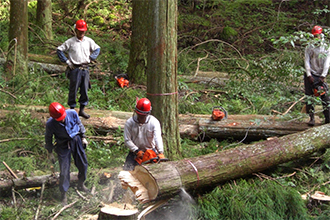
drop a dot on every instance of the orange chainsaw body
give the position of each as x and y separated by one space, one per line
122 82
218 113
148 156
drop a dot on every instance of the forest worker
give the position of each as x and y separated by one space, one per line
70 139
142 131
317 62
81 51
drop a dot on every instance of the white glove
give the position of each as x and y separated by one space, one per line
84 142
70 64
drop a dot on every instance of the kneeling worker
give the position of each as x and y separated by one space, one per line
142 132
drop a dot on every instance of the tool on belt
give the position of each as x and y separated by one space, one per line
319 88
219 113
150 156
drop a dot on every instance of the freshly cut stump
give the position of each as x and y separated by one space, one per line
120 212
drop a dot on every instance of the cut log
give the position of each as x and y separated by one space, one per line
194 126
30 182
51 180
168 178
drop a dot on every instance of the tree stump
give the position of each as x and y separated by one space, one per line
118 212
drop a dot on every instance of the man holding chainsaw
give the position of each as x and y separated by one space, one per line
70 139
143 136
81 51
317 62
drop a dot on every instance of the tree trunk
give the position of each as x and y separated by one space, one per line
138 53
18 37
156 181
162 87
44 18
195 127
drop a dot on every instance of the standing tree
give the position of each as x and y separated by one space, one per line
44 18
18 35
162 71
138 53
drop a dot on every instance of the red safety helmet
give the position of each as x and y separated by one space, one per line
143 107
316 30
81 25
57 111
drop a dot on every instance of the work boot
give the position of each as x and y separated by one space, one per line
82 113
82 187
312 120
64 199
71 107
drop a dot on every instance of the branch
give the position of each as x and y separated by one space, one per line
1 90
198 61
62 209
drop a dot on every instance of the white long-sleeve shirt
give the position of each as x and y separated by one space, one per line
317 60
79 51
143 136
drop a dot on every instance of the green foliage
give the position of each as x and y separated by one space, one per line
252 200
101 155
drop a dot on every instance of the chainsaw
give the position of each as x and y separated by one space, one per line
319 88
219 113
122 80
150 156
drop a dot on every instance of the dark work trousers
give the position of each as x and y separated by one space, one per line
325 98
130 162
74 147
79 79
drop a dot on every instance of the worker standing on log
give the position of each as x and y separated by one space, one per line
142 132
317 62
81 51
70 138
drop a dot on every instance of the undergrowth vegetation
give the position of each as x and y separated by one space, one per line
256 47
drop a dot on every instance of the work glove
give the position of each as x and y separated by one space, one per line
84 142
161 156
139 154
70 64
51 157
311 79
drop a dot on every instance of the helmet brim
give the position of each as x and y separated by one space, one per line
62 117
82 29
141 112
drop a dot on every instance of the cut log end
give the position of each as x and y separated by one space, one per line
140 182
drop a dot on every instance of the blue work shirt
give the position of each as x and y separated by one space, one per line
63 132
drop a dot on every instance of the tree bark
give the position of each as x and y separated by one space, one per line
18 37
162 86
44 18
138 53
168 178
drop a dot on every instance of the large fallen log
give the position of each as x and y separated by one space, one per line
193 126
202 127
152 182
